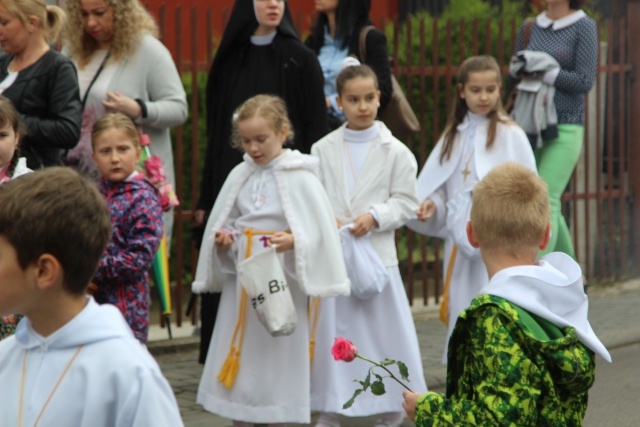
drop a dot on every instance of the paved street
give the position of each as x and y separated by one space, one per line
614 315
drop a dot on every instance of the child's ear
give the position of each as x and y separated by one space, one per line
544 241
471 236
283 133
460 88
48 271
339 101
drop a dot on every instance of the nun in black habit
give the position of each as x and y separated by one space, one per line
246 64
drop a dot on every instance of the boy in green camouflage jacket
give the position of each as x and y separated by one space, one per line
522 354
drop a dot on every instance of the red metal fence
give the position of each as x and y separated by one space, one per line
427 53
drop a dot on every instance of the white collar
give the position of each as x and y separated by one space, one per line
263 40
472 119
133 176
364 135
545 22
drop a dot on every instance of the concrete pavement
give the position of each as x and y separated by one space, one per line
614 314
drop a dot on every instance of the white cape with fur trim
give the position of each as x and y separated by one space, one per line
319 265
553 290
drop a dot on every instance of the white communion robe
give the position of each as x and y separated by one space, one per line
449 184
272 384
381 179
113 381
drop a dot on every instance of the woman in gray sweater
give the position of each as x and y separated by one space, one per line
123 67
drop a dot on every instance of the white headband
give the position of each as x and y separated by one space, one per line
350 61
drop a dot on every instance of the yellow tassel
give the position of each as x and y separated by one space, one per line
232 372
224 371
229 371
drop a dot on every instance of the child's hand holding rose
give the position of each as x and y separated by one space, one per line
409 404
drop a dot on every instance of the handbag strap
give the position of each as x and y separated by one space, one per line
363 42
93 80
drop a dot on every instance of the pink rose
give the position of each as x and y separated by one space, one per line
343 349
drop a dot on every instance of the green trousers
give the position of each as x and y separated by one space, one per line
556 161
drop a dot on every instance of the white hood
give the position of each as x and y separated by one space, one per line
553 290
94 323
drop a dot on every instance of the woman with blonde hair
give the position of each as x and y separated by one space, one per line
41 83
123 67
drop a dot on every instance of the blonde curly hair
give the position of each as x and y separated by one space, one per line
130 21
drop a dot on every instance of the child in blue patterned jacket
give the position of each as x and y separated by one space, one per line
122 277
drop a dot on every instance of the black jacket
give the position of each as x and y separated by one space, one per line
47 97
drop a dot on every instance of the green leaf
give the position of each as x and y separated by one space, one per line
387 362
377 388
349 402
404 372
366 383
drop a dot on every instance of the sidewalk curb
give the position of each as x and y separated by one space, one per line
172 346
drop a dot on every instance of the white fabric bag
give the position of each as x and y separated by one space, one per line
367 273
263 279
458 214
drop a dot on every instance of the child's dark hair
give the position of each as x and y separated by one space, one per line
474 64
350 73
269 107
118 121
56 211
576 4
9 117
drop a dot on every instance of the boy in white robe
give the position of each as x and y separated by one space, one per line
71 361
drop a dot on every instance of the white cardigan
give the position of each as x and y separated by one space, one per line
387 185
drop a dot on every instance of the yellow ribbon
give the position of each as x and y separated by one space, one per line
314 307
444 305
231 365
